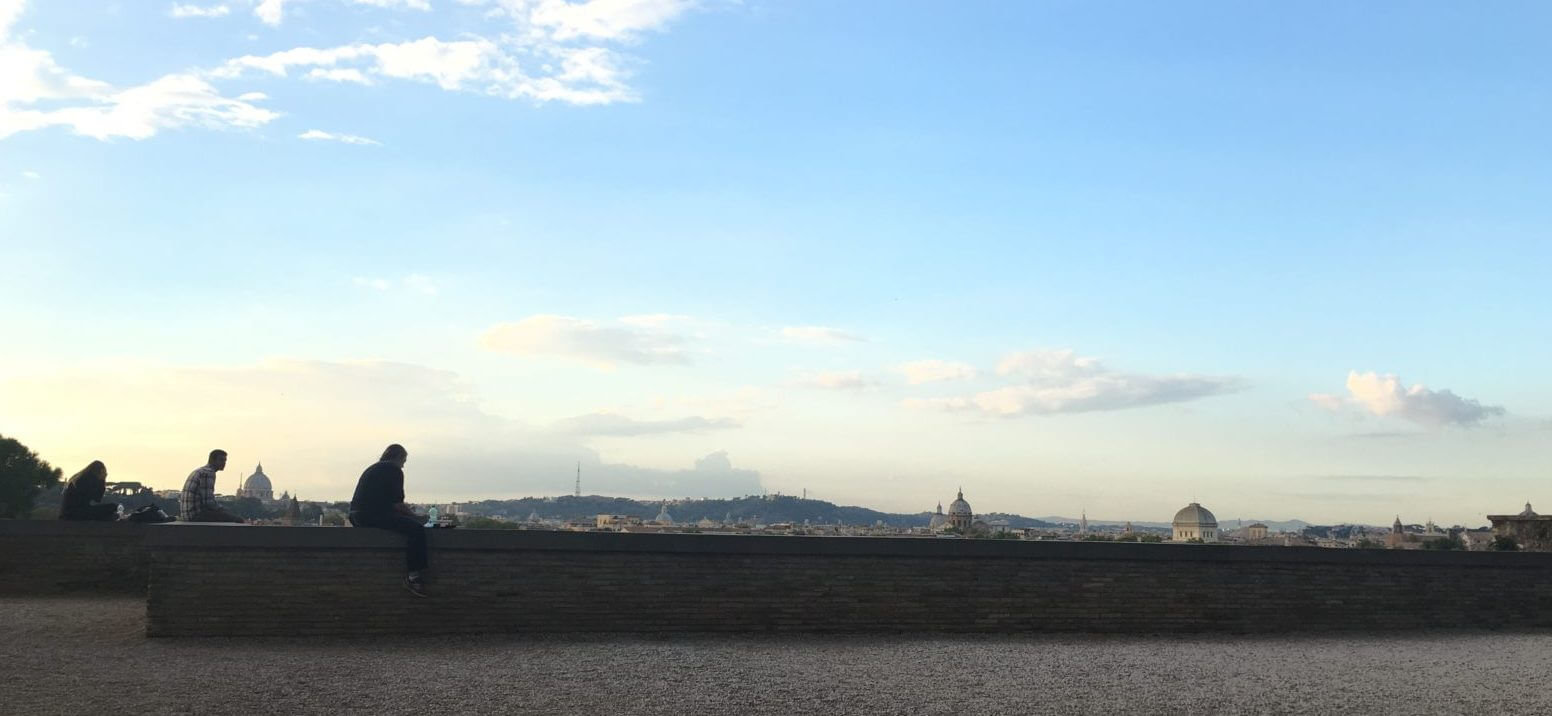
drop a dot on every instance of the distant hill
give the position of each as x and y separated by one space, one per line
763 509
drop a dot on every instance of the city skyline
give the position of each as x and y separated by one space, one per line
1288 263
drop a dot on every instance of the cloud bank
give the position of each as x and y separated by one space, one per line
539 50
599 345
1060 381
1385 396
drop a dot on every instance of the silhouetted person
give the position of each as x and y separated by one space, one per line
198 501
83 496
379 502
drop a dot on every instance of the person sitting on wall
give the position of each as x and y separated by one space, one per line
379 502
198 501
83 496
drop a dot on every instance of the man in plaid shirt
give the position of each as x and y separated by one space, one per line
198 501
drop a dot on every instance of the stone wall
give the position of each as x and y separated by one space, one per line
342 581
236 580
38 557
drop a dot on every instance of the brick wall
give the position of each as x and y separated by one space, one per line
38 557
233 580
260 580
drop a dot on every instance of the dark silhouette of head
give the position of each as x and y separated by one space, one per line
217 460
95 472
396 454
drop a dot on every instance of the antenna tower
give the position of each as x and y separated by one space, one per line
579 479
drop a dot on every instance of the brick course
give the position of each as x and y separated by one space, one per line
219 580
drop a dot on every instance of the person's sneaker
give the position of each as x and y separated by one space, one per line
416 586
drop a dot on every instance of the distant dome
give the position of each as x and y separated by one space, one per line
1194 515
258 481
959 506
1528 511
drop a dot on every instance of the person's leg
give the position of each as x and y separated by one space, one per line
105 512
213 514
415 556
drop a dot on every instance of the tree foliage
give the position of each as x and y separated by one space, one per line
22 476
1504 543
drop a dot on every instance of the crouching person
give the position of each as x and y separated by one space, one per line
82 499
197 503
379 502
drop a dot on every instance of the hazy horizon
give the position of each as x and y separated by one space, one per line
1285 261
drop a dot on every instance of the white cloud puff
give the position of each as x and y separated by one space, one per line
322 136
1060 381
184 11
598 345
1385 395
936 371
36 93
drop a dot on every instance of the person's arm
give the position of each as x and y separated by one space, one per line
398 493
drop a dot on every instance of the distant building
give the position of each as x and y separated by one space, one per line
663 518
1532 532
293 515
959 514
616 522
939 520
1256 531
1195 522
257 485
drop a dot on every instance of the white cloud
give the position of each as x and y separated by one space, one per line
273 12
615 425
1060 381
602 19
837 380
32 175
37 93
349 74
935 371
1385 396
9 11
320 135
601 346
819 335
591 75
539 50
182 11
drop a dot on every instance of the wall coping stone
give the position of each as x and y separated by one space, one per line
199 536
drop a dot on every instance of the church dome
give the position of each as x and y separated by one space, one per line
258 481
959 506
1194 515
1528 511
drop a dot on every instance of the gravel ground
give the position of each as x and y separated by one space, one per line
88 656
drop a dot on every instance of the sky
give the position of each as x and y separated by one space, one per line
1288 261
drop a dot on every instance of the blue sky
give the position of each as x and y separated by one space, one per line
1101 256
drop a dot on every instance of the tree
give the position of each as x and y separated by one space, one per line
22 476
250 508
1451 542
1504 543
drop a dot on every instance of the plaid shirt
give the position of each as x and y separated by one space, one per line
199 492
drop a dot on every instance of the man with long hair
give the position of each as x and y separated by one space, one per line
379 502
83 496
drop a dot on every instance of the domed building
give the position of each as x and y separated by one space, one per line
257 485
1195 522
938 520
959 514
